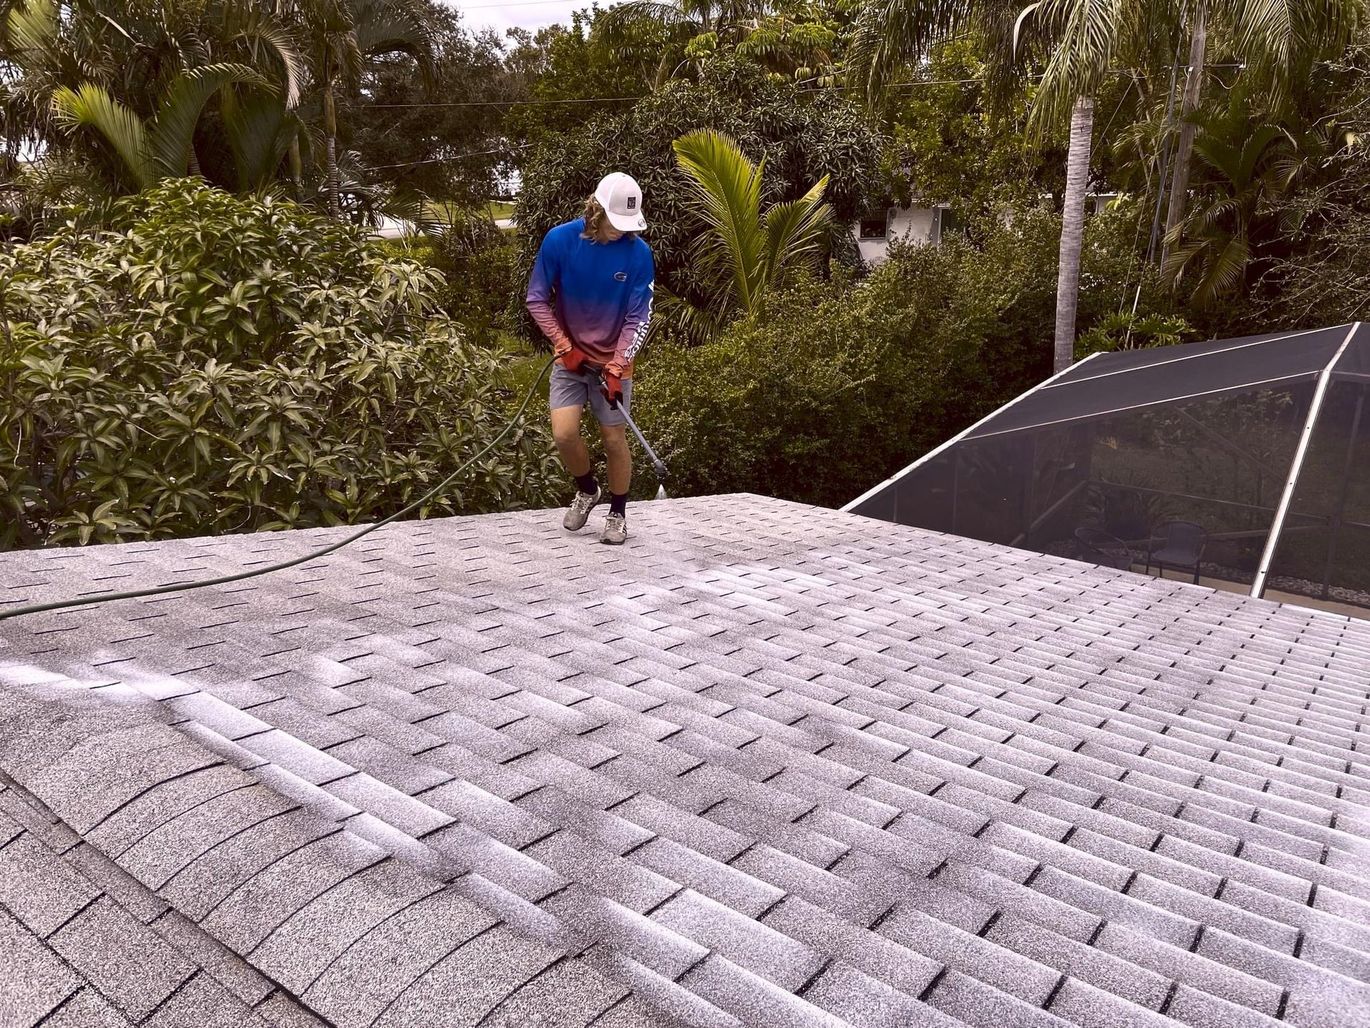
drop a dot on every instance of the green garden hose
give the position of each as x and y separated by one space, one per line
35 608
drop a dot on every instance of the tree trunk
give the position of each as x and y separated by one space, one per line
330 128
193 165
1073 231
1184 148
296 161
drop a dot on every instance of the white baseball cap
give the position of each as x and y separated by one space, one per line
621 198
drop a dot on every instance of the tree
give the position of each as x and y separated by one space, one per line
1078 43
745 252
667 27
1076 40
237 364
954 143
1251 166
343 36
566 71
1321 273
447 138
130 70
1283 39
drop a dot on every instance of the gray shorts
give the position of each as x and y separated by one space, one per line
568 390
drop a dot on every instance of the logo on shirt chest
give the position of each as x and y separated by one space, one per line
620 276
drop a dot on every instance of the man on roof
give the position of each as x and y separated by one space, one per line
591 294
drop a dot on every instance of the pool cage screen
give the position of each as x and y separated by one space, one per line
1263 442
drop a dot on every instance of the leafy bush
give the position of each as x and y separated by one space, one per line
1128 331
811 398
211 364
481 265
830 388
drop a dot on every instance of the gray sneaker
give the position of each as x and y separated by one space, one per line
579 511
615 530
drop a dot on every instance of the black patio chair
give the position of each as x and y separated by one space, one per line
1105 549
1181 546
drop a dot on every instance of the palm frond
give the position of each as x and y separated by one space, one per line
1086 36
726 189
890 34
696 325
259 31
260 131
796 232
91 106
619 21
31 27
173 131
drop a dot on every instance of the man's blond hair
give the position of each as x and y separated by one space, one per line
596 220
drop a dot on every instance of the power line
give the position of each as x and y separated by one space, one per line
507 103
454 157
915 84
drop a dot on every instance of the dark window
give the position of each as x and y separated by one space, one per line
949 223
876 227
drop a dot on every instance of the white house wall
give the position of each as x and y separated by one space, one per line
910 224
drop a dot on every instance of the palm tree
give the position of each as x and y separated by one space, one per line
1282 39
141 74
1252 165
163 146
1076 40
1080 41
343 36
746 253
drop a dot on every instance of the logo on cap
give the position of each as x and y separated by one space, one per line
632 203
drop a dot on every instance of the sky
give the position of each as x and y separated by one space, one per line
528 14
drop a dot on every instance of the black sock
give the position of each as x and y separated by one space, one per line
586 483
618 503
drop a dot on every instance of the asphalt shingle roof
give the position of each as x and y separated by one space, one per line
765 765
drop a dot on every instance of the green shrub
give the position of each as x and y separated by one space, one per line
808 399
481 265
833 387
210 364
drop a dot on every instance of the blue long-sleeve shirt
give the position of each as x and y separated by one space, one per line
596 295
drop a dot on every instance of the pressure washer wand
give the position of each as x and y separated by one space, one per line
657 465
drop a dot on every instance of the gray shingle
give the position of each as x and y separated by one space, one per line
159 855
758 769
223 965
255 908
40 888
33 980
745 942
87 1009
131 965
203 1003
311 939
375 969
469 983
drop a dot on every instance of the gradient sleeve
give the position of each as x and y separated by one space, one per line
539 300
639 316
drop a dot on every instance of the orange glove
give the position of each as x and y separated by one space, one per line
571 358
613 387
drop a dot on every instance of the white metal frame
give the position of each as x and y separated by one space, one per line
1272 541
961 435
1262 341
1151 403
